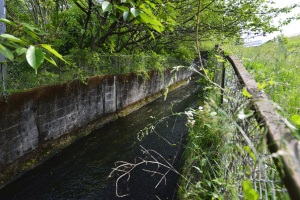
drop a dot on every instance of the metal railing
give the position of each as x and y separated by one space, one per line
265 130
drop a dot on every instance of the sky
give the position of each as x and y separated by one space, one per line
292 28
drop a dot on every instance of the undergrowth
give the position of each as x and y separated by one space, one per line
269 63
227 156
82 64
277 72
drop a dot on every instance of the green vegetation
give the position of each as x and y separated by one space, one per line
93 35
226 146
226 154
164 27
293 44
81 65
277 72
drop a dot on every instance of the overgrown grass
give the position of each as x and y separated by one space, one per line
293 44
280 72
227 156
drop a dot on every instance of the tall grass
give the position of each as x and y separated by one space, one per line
279 70
293 44
227 156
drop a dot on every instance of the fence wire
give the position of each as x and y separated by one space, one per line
247 156
19 76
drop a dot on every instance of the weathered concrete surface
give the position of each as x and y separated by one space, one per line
33 119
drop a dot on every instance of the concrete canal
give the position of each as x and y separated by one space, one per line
80 171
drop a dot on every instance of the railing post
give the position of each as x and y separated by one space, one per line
222 85
222 65
59 63
3 71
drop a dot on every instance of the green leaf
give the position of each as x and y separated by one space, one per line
261 86
218 181
145 17
132 3
271 82
32 28
208 183
7 21
6 53
12 38
123 1
41 33
227 147
149 12
106 6
152 5
35 57
49 59
154 21
139 19
156 28
170 9
121 8
49 48
125 15
151 34
142 6
247 170
21 50
32 34
244 115
198 169
112 16
195 158
247 149
296 119
250 193
82 31
135 12
253 156
246 94
171 4
8 44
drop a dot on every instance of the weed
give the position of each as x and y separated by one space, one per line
227 156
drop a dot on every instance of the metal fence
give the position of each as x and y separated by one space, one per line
247 156
248 135
19 76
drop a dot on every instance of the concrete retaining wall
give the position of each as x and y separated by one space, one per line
33 118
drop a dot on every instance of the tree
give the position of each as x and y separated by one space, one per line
131 25
24 48
282 39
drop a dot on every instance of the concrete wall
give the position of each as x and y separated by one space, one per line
32 118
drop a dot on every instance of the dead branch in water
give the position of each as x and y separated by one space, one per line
128 167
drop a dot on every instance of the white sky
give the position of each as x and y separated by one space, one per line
292 28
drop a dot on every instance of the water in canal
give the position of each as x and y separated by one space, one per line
80 170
